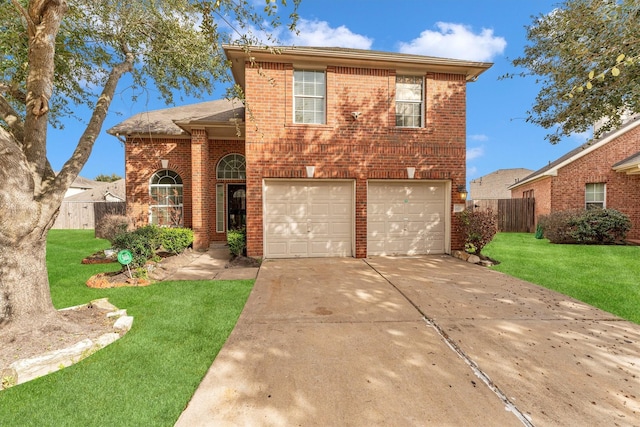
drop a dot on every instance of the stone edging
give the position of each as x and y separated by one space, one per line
25 370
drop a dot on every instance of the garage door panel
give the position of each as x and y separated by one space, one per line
277 249
405 218
319 216
341 209
297 248
320 209
341 229
318 229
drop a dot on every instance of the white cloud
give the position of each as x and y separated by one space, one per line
456 41
471 172
309 33
320 33
478 137
474 153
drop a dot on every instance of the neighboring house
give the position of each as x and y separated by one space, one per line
82 209
344 152
496 185
602 173
79 185
101 192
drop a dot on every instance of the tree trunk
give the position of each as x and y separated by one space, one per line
25 298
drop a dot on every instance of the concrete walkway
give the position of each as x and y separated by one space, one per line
417 341
212 265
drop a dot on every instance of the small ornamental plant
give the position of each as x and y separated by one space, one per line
478 228
236 239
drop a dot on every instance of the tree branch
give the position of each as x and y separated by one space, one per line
72 167
12 119
31 27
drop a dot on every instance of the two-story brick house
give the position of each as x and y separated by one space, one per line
339 152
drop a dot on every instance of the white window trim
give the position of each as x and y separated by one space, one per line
242 172
323 97
604 195
162 206
220 210
422 102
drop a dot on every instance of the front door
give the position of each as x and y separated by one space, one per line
236 206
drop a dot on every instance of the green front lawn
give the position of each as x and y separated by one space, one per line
607 276
148 376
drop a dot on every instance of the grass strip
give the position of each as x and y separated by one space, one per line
605 276
147 377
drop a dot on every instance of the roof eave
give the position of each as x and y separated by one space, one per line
368 59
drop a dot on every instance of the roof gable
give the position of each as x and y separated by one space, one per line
552 168
178 121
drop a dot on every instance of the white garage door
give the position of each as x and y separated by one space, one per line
406 218
308 218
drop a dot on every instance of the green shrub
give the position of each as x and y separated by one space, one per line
588 226
557 226
152 233
176 240
236 239
478 228
142 243
110 226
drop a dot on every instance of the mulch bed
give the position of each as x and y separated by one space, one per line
116 279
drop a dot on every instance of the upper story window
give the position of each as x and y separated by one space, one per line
309 91
595 195
165 189
409 100
231 166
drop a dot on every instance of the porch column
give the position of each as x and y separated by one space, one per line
200 189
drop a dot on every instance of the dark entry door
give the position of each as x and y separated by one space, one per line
236 206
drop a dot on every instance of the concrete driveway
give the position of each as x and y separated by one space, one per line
412 341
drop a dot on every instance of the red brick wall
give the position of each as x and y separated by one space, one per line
142 160
622 190
370 147
567 189
541 194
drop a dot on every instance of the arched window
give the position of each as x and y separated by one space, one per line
231 166
165 189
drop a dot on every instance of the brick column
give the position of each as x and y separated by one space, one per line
200 189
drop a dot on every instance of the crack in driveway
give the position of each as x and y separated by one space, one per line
458 351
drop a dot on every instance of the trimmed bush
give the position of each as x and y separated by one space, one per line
557 226
111 226
236 239
478 228
588 226
142 243
176 240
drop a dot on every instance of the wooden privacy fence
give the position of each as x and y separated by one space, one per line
85 215
514 215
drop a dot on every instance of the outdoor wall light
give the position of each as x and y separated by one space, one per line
462 190
164 163
311 170
411 172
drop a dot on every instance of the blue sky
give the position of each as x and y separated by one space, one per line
484 30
